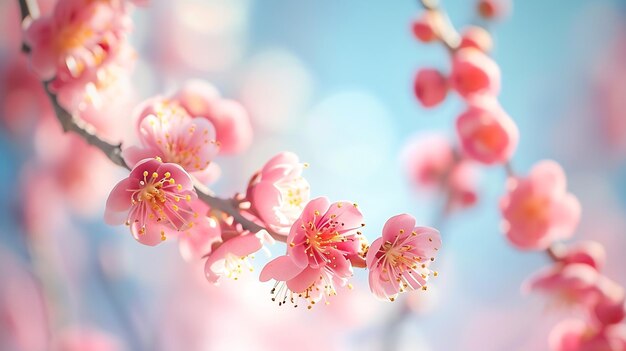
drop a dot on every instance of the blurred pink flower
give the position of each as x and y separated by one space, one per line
166 130
538 210
278 193
399 260
476 37
487 133
230 258
610 308
230 119
494 9
23 100
198 241
426 28
322 244
572 284
154 201
576 335
430 87
586 252
428 159
85 339
462 184
474 73
77 37
23 311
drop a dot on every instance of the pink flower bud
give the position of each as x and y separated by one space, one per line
487 133
426 27
494 9
474 73
431 87
477 38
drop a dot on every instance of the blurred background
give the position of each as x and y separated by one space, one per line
331 81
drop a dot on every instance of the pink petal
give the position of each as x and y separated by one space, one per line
395 224
118 203
304 280
281 268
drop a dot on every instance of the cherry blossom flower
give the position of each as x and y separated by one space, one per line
586 252
494 9
231 257
474 74
321 244
398 261
230 119
576 335
205 232
572 284
426 28
154 201
431 87
278 193
610 307
428 159
78 36
538 210
477 38
462 184
166 130
486 132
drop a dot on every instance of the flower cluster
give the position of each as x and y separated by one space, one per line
537 210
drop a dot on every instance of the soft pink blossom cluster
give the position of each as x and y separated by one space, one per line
537 209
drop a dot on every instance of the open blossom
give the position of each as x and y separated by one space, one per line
230 119
154 201
166 130
278 193
428 160
576 335
322 244
431 87
487 133
538 210
78 36
398 261
567 283
474 74
231 257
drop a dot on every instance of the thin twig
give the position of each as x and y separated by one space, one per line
445 29
114 152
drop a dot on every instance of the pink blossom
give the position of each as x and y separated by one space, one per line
428 159
85 339
494 9
154 201
474 73
610 308
567 283
166 130
278 193
77 37
205 232
538 210
230 258
399 260
487 134
586 252
426 27
477 38
230 119
576 335
322 244
462 184
431 87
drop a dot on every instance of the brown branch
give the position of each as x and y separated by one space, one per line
114 152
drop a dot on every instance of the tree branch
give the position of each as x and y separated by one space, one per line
114 152
446 31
